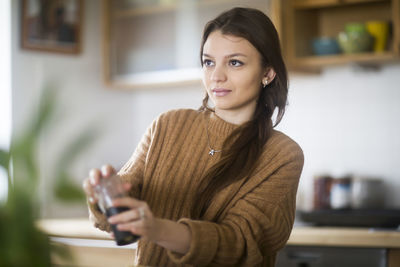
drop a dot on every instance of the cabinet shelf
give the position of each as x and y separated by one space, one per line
158 44
305 20
154 9
158 78
312 4
361 58
143 11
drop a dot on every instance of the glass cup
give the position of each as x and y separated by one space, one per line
106 191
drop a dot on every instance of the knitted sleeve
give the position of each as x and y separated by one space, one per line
131 172
256 226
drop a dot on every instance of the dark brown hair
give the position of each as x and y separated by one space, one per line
247 141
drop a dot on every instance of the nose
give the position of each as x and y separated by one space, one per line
218 74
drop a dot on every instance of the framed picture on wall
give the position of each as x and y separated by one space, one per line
52 25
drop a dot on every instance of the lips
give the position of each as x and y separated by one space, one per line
220 91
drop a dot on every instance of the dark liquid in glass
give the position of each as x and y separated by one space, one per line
121 237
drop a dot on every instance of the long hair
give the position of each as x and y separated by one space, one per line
245 144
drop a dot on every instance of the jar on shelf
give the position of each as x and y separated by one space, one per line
355 39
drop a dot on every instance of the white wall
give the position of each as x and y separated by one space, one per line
83 99
5 88
345 120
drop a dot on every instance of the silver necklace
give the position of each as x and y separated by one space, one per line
212 150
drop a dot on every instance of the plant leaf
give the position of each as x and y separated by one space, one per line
21 242
62 251
45 112
65 189
68 191
4 159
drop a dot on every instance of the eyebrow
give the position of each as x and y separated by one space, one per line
227 56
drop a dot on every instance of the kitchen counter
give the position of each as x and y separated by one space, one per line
88 246
345 237
92 247
301 235
72 228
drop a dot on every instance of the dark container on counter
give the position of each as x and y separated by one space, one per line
322 192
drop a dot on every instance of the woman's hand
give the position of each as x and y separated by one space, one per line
94 177
139 220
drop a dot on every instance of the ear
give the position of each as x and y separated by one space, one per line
269 75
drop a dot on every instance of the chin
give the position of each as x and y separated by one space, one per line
222 107
222 104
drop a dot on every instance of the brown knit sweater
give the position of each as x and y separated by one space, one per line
166 169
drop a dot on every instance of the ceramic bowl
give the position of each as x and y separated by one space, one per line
325 46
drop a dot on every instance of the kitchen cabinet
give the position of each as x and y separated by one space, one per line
157 42
310 246
304 256
304 20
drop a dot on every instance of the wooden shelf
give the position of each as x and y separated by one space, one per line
144 11
312 4
158 78
305 20
155 9
362 58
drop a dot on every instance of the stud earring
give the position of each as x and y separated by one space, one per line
265 82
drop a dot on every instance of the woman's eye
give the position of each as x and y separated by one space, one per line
207 63
235 63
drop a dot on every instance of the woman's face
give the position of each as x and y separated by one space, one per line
232 75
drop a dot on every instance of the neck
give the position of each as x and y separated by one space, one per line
235 117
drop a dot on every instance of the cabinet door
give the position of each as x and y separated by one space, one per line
394 257
304 256
157 42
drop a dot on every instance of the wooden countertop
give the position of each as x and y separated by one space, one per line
344 237
301 235
72 228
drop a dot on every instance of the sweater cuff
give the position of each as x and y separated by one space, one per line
98 217
203 245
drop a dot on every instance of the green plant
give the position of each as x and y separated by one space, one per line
21 242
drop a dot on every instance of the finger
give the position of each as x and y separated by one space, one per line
127 202
135 227
94 176
127 216
107 170
88 189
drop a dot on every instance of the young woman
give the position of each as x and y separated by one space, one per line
216 186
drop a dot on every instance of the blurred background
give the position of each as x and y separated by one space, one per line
121 63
